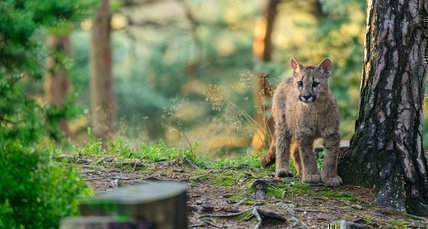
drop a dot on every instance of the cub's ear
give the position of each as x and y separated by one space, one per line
325 66
295 65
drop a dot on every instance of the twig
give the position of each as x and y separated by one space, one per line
212 224
94 178
315 211
258 217
123 178
241 202
226 216
138 163
189 162
210 221
196 225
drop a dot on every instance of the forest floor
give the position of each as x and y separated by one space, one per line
232 196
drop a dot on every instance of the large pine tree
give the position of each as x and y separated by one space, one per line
386 151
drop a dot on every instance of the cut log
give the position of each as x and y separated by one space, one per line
160 203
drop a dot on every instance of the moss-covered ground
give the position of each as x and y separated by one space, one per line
222 191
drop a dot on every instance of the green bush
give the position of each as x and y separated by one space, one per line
36 191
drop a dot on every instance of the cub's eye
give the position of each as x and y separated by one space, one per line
315 84
300 83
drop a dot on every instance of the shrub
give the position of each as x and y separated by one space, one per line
36 191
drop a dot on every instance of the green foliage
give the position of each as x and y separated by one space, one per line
23 25
36 191
6 215
122 150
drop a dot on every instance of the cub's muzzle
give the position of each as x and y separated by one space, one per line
307 98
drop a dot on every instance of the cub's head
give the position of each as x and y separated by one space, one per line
311 82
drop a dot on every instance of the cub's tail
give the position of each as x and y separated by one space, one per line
269 158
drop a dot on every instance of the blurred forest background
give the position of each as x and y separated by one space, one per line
192 67
193 71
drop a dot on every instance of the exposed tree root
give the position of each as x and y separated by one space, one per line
248 214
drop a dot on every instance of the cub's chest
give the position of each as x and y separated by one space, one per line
311 117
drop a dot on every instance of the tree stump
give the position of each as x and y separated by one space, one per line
162 204
102 222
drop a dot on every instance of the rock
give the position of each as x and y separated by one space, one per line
260 186
357 206
206 207
343 224
296 224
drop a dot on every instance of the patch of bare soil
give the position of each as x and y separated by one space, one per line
240 197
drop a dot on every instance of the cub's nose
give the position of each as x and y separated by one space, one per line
306 97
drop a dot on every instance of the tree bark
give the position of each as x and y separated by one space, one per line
386 151
262 50
101 78
57 83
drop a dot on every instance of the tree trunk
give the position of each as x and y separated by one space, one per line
386 151
101 78
262 50
57 83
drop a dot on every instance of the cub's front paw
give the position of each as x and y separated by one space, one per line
332 181
311 178
283 173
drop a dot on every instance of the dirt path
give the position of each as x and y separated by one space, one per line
226 198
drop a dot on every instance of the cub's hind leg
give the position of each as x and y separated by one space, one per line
310 172
295 155
283 141
269 158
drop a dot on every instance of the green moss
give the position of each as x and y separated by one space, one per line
200 178
274 191
398 223
222 179
369 220
235 197
410 216
296 187
345 196
240 217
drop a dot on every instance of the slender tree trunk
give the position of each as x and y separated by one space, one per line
57 83
386 151
262 50
101 78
